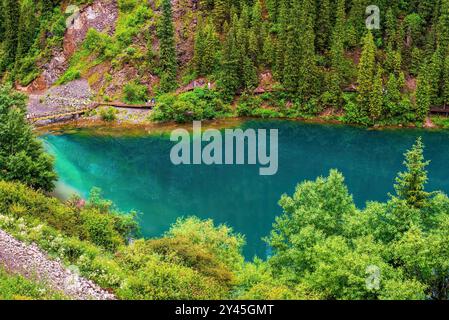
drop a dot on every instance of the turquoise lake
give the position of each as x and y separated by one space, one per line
136 173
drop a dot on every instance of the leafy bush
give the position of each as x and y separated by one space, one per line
70 75
15 287
107 229
135 93
108 114
200 104
22 156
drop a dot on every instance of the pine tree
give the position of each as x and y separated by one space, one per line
206 47
410 185
323 25
168 61
284 20
293 54
268 52
337 52
433 74
26 28
356 19
308 70
392 95
230 66
11 15
366 73
376 98
443 27
220 13
423 98
446 81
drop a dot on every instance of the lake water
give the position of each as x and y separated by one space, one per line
136 173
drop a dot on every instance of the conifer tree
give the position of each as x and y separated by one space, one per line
268 52
26 28
366 72
423 98
376 98
206 47
284 20
11 16
337 52
168 60
230 65
220 13
324 28
446 81
308 70
410 185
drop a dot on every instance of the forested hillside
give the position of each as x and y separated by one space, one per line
305 55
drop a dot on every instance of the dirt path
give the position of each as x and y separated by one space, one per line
31 262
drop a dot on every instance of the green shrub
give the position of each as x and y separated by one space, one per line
152 278
200 104
107 229
108 114
15 287
135 93
70 75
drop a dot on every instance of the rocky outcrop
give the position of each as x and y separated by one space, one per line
101 15
74 95
31 262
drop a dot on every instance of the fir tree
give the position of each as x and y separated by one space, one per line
168 61
26 28
230 66
376 98
206 47
324 27
11 15
366 73
423 98
410 185
220 13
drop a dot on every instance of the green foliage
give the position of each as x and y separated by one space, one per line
108 114
22 156
200 104
168 61
135 93
410 185
105 228
14 287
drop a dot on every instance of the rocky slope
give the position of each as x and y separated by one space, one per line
31 262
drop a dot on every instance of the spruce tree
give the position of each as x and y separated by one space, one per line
324 27
229 81
206 47
423 98
168 61
366 73
283 26
308 70
337 51
26 28
220 13
376 98
11 16
410 185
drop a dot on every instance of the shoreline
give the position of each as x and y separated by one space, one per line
120 127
